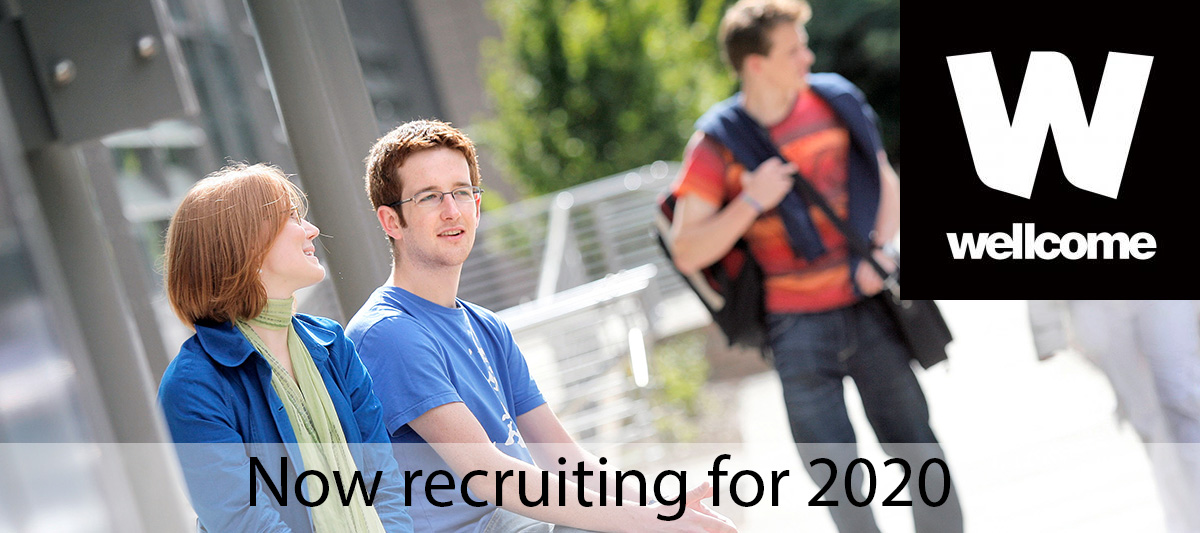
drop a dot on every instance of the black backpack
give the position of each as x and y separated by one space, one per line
731 289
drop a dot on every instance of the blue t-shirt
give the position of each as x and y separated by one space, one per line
422 355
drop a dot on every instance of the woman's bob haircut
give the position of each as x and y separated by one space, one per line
218 239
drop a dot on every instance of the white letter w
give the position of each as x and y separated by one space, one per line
1093 156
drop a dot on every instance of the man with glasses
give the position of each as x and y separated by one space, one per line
454 387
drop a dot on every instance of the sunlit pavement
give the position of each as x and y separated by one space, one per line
1032 446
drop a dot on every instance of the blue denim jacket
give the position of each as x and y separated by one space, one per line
217 391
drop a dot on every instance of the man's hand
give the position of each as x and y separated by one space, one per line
696 518
868 281
703 491
769 183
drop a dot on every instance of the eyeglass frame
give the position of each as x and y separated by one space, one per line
476 192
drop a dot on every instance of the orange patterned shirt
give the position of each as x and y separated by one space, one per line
812 138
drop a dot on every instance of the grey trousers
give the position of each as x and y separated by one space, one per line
509 522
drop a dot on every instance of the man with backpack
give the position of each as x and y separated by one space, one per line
822 323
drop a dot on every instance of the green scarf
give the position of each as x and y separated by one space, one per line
318 430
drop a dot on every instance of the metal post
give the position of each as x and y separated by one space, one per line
330 124
25 215
104 318
556 244
128 257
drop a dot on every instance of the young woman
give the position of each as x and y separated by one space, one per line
260 393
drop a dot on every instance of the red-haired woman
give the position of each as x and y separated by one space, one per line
258 383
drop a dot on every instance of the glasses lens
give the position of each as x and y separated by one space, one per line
464 195
428 199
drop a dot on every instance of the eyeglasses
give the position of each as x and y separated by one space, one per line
430 199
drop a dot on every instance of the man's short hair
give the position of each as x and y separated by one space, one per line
383 180
745 26
218 238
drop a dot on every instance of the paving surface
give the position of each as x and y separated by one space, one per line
1033 446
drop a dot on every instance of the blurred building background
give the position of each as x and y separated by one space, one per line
111 110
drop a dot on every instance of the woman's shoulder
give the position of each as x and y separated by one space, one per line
193 369
192 358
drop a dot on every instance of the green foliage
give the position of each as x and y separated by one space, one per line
583 89
860 40
587 88
679 372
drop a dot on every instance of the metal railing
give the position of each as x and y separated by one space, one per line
538 247
587 292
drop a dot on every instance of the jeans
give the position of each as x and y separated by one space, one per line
813 354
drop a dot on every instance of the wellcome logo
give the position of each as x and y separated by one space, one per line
1025 243
1093 155
1007 154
